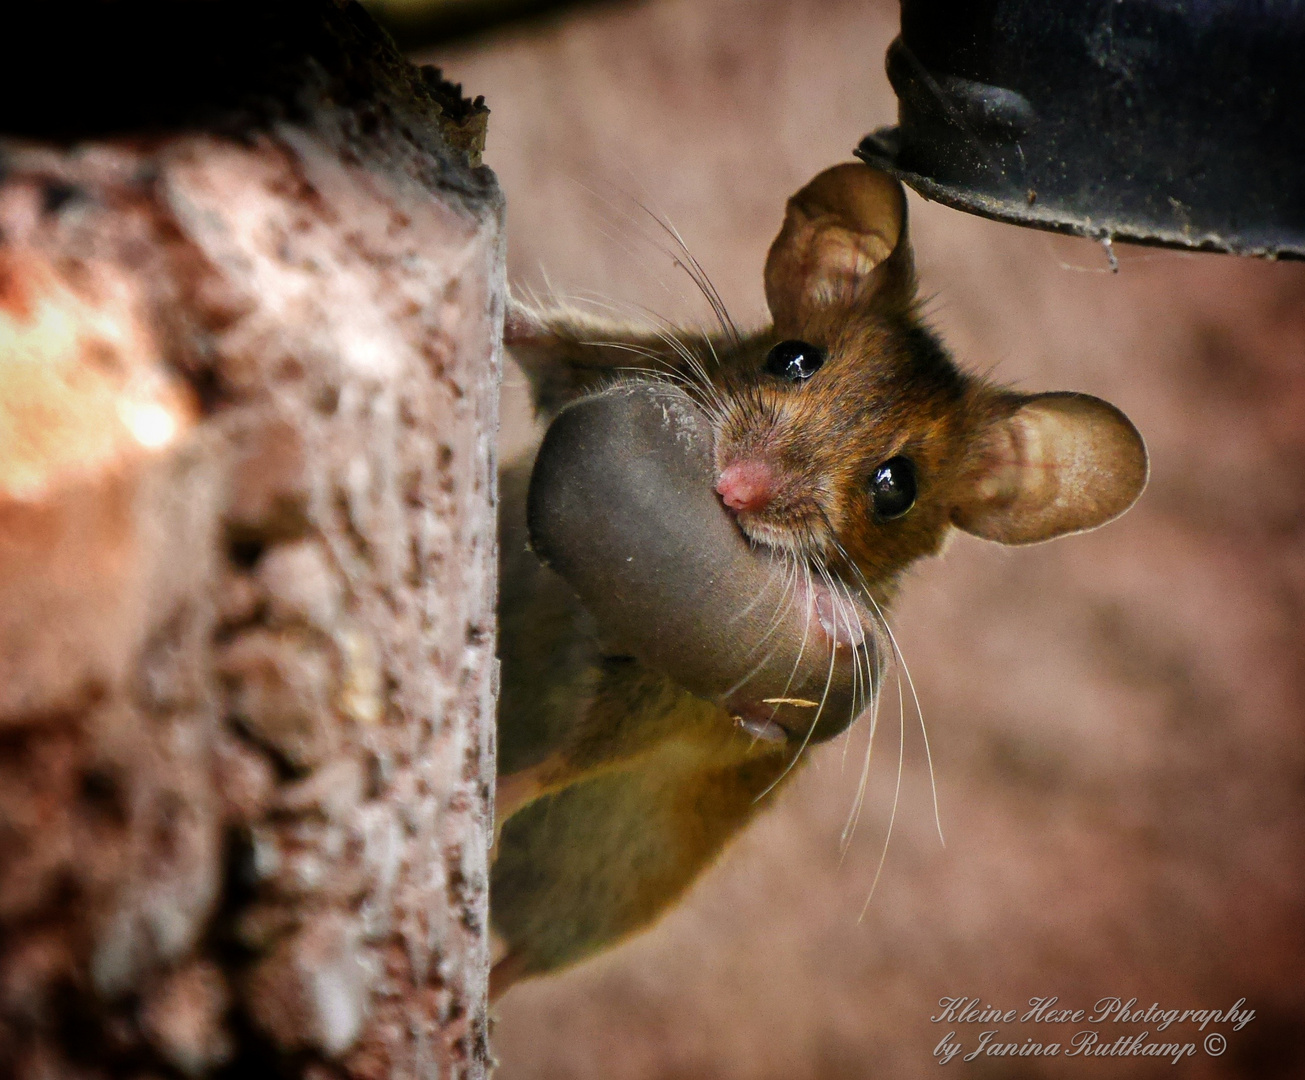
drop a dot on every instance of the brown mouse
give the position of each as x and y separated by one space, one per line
835 447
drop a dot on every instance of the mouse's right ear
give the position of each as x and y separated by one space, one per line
1057 464
843 246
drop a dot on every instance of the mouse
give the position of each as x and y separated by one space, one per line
697 562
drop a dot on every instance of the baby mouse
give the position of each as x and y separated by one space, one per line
833 448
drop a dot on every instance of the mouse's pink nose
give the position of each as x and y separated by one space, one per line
747 485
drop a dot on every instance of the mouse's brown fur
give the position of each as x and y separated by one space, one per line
617 787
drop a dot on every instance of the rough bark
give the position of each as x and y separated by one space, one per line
250 298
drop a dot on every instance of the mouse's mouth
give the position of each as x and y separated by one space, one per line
838 609
800 536
837 624
834 619
625 504
840 614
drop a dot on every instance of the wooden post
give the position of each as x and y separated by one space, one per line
251 290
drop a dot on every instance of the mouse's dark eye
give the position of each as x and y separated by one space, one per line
892 488
794 361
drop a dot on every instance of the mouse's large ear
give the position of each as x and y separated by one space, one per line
1060 463
843 245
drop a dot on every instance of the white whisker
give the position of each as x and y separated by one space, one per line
829 681
897 791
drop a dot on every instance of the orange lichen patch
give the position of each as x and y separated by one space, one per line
81 382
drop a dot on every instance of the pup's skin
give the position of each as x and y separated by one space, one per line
846 438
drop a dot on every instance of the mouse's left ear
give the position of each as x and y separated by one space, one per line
843 246
1057 464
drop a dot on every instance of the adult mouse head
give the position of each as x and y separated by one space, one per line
850 439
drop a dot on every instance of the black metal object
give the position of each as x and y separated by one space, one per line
1172 122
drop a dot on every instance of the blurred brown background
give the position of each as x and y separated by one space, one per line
1115 718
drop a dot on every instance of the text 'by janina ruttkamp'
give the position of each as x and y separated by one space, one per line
1153 1031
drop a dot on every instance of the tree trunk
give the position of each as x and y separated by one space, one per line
250 301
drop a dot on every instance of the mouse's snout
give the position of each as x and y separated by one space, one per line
747 485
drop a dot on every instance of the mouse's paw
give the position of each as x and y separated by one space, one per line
524 325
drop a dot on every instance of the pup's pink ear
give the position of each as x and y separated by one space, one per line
1060 463
843 246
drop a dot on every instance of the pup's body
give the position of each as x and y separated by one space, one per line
845 440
